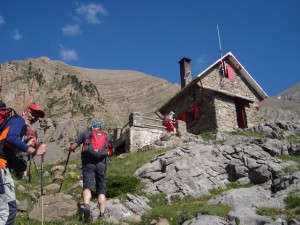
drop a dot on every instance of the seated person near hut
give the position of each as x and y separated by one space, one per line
168 122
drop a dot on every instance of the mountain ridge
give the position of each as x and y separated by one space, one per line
284 106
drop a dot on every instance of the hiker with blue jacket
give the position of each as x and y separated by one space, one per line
97 146
11 143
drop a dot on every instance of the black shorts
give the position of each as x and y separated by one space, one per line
94 172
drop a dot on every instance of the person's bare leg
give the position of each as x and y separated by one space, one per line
102 203
86 195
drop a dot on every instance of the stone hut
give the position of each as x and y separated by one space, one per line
141 131
224 97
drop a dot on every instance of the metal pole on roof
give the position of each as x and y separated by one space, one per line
219 41
222 62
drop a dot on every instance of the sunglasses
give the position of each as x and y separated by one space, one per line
32 113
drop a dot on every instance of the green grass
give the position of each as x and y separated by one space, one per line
291 169
131 162
292 208
295 158
181 210
292 201
270 211
207 136
293 139
230 186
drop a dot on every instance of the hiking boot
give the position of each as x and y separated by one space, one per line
101 216
87 214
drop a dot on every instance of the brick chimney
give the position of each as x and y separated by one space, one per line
185 71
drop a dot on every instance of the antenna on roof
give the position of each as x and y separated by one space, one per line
219 41
223 67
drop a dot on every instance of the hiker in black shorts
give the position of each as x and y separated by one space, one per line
97 146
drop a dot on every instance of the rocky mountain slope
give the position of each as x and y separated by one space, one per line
72 96
66 91
282 107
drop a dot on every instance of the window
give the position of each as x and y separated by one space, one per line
191 114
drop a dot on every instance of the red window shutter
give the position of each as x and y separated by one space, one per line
230 72
183 116
196 111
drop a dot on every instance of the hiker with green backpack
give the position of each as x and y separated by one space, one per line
97 146
12 130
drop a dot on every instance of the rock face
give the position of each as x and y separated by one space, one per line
195 168
246 201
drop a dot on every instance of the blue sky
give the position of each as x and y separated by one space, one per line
151 36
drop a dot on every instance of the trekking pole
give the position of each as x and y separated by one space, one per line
36 169
64 171
42 189
28 189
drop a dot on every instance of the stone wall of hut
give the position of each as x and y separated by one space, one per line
238 86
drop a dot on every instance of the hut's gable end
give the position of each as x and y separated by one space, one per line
236 85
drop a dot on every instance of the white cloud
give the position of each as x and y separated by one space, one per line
71 30
90 12
68 55
1 20
17 35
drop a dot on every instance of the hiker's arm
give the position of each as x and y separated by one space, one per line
13 136
80 139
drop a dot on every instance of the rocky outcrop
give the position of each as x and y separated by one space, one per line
195 168
279 129
131 210
55 207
